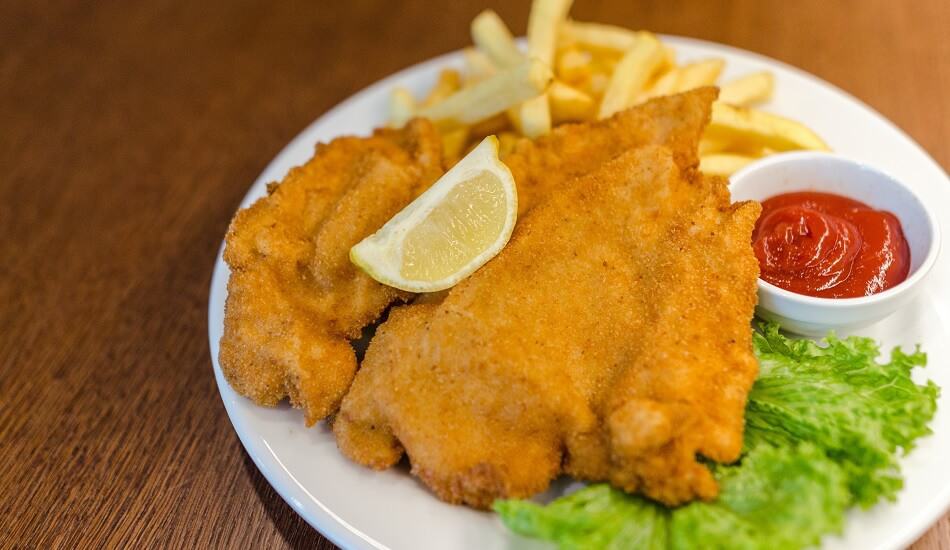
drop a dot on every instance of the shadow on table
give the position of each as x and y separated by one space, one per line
296 532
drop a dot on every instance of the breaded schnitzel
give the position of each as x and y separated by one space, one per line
544 165
609 340
294 298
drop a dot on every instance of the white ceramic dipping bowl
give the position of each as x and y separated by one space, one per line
829 173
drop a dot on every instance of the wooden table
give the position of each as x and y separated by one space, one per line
129 131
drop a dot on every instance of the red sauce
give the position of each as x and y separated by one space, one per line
826 245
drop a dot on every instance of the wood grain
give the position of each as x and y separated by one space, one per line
131 130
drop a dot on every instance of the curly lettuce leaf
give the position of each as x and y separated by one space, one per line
777 498
860 412
824 427
781 498
597 516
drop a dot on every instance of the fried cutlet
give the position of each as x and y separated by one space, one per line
609 340
542 166
294 297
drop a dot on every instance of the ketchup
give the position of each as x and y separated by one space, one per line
829 246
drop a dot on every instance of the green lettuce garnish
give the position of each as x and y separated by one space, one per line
824 427
839 398
780 497
598 516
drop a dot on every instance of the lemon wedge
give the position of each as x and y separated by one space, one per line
449 231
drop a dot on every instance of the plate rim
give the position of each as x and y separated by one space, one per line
335 528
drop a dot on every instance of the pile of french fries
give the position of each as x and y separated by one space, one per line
574 71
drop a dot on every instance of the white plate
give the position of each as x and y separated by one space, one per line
360 508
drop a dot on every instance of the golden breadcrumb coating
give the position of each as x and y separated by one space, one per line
609 340
542 166
294 297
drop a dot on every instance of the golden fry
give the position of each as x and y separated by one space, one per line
514 117
664 84
402 107
573 65
748 90
492 37
453 143
490 126
744 125
490 96
448 83
630 75
543 23
597 36
709 145
597 84
535 117
723 164
569 104
477 66
699 74
669 59
507 142
545 19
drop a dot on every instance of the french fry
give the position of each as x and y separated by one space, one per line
490 96
606 63
517 121
632 72
569 104
492 37
748 90
507 142
744 125
453 143
402 107
597 84
591 70
477 65
709 145
701 73
723 144
663 85
536 117
448 83
573 65
669 60
723 164
596 36
599 70
514 117
543 22
681 79
490 126
669 57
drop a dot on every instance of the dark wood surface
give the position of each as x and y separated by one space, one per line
129 131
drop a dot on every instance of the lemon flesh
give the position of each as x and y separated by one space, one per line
451 230
467 222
